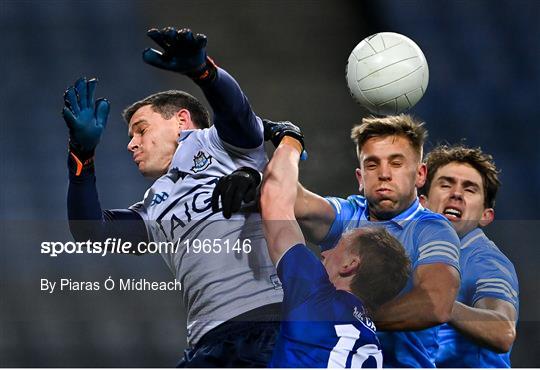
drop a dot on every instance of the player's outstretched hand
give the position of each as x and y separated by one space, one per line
235 188
183 51
276 131
85 117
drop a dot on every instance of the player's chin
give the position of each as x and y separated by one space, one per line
144 170
463 227
386 208
151 173
386 203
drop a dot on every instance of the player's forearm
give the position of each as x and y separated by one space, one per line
415 310
487 327
277 202
82 198
278 192
83 207
233 117
429 303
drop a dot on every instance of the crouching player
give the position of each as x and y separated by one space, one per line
326 305
462 184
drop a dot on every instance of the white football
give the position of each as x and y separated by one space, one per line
387 73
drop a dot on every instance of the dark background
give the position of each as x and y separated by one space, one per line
289 57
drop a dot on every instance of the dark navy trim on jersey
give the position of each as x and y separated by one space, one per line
234 119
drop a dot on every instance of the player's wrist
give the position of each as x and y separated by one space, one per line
293 143
80 151
80 163
205 73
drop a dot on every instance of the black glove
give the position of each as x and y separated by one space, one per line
183 52
276 131
235 188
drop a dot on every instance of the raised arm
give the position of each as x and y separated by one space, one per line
185 53
278 194
86 119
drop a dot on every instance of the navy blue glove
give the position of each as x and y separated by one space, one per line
235 188
183 52
85 118
276 131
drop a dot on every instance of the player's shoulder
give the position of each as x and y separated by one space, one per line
481 250
425 220
429 220
357 200
353 204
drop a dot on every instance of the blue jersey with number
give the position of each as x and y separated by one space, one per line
486 273
322 326
428 238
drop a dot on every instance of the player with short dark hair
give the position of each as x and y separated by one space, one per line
390 154
167 103
324 325
232 297
483 163
462 185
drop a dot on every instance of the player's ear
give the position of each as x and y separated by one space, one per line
358 174
424 201
488 215
183 118
350 266
421 174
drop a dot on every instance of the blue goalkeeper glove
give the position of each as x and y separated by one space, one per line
86 119
276 131
183 52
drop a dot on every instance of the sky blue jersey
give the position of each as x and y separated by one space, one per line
486 272
322 326
428 238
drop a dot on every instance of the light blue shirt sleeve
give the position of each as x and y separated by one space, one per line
344 212
494 277
437 242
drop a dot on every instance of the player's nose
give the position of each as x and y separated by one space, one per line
384 172
456 193
132 145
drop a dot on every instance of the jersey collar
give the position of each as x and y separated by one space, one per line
184 135
470 237
403 217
